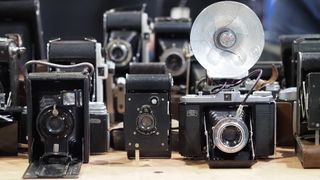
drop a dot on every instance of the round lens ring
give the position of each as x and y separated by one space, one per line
175 61
230 135
55 122
146 124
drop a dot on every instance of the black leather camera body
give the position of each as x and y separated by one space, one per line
126 34
68 52
58 123
307 122
209 128
24 18
147 122
172 45
291 45
125 38
10 110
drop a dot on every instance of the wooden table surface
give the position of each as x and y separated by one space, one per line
115 166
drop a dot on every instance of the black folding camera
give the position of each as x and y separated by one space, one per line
125 38
147 119
291 45
211 127
172 46
24 18
10 111
58 123
308 112
67 52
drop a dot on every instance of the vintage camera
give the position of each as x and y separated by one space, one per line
172 46
209 126
124 42
10 111
291 45
58 121
308 124
147 119
67 52
126 34
219 124
24 18
10 54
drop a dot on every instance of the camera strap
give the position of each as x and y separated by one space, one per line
207 136
251 140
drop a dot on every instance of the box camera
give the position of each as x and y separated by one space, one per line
126 34
172 46
58 122
147 119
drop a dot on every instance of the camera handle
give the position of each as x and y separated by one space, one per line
33 62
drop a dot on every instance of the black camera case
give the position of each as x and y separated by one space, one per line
54 155
147 119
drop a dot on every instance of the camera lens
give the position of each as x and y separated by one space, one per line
230 135
146 123
55 122
55 125
175 61
119 51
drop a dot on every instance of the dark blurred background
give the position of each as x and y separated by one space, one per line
83 18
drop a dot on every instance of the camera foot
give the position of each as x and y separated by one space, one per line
317 137
137 155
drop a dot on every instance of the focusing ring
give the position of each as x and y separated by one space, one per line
122 45
220 128
146 122
174 52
